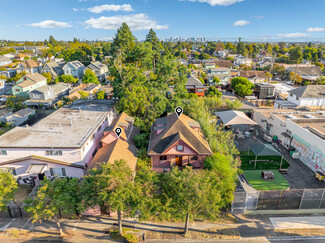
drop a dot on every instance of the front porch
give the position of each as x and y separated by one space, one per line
166 163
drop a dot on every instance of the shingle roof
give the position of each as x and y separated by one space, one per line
178 129
75 64
24 112
309 91
223 63
36 77
124 121
252 74
193 82
30 64
96 65
4 59
309 70
57 88
4 112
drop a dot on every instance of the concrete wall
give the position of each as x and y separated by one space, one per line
306 101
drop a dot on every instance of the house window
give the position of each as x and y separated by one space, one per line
297 98
37 96
99 128
92 137
57 172
291 94
3 152
199 90
54 152
163 157
17 90
12 170
180 148
194 158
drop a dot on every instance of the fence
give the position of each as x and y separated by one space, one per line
248 199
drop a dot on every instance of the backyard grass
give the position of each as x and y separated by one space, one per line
261 165
255 179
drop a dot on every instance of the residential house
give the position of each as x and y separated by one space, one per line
20 116
254 76
88 88
4 61
117 148
29 48
74 68
9 73
310 95
47 95
28 83
240 60
54 68
3 115
307 73
221 53
193 85
224 63
265 62
177 141
224 74
29 66
100 70
62 144
210 65
21 56
264 91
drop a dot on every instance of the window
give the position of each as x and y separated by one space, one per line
99 128
3 152
291 94
10 169
163 157
54 152
194 158
37 96
180 148
92 137
297 98
57 172
17 90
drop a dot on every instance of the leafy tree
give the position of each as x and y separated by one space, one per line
48 77
216 79
201 79
124 41
8 187
100 95
90 77
111 186
242 86
61 194
83 94
52 41
213 91
241 48
66 79
295 54
295 77
190 193
15 103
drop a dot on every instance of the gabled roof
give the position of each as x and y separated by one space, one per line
309 91
177 129
193 82
75 64
4 59
30 64
36 77
57 88
223 63
55 68
307 70
123 121
233 117
96 66
43 159
24 112
252 74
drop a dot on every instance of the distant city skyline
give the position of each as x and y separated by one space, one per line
225 20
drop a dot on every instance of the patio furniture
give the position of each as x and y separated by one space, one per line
320 175
267 175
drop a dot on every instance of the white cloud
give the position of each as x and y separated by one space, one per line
76 9
315 29
111 7
51 24
293 35
258 17
217 2
241 23
135 22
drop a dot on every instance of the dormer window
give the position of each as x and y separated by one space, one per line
180 148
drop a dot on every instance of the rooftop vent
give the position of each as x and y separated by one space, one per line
291 116
308 116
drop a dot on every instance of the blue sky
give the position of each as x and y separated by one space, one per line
253 20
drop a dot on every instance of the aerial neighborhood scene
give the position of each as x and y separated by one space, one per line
111 130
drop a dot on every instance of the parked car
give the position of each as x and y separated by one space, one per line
289 83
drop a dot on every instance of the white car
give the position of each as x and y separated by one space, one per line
289 83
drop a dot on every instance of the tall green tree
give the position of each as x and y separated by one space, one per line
242 86
60 195
123 42
90 77
8 188
190 193
111 186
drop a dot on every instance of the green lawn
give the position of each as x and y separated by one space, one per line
261 165
254 178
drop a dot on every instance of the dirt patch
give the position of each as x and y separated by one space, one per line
25 234
222 234
296 232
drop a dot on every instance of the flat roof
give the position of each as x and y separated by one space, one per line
68 127
299 115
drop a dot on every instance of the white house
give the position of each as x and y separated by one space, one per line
20 117
74 68
100 70
62 143
240 60
310 95
3 114
4 61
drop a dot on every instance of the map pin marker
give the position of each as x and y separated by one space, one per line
179 111
118 131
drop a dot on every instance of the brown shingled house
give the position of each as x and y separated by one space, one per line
177 142
254 76
116 148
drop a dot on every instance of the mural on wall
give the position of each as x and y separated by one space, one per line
309 155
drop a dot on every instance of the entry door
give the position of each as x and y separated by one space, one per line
179 161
